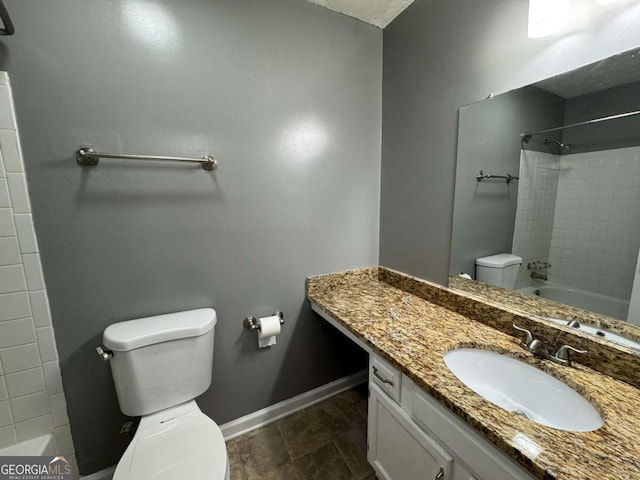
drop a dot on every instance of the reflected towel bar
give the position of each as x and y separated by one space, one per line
88 157
485 176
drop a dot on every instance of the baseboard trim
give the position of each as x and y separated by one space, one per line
106 474
274 412
270 414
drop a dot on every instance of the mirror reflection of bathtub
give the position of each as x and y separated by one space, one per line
594 302
44 445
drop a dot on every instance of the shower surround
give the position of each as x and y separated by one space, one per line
576 212
32 401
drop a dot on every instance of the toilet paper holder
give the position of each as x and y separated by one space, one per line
251 323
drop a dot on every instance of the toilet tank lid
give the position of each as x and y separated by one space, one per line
125 336
500 260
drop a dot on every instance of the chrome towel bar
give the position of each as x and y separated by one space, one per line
486 176
88 157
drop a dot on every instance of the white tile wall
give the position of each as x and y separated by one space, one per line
25 382
34 427
9 251
58 406
597 227
12 279
18 193
14 306
4 395
52 378
7 229
580 210
32 401
26 233
40 308
537 189
11 153
46 344
33 271
29 406
5 414
16 359
4 193
7 436
6 112
16 332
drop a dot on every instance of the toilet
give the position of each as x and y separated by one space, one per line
159 365
500 270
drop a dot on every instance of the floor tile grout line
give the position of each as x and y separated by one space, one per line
338 410
284 440
344 459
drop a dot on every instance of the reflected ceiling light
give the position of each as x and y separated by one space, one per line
304 139
151 23
547 16
605 2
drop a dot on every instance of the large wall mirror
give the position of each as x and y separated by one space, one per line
550 173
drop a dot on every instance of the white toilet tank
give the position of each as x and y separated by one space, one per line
500 270
161 361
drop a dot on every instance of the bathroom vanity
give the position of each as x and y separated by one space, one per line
425 423
410 435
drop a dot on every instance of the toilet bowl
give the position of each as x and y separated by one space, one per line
177 443
159 365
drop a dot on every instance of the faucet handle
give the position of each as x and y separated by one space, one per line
528 337
563 354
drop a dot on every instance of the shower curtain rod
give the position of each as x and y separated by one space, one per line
527 135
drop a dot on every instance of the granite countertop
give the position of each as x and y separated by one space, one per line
405 320
541 306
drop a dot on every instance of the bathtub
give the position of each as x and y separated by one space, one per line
594 302
43 445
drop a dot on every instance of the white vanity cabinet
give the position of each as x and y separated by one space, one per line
411 436
397 449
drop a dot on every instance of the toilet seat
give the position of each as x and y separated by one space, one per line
174 444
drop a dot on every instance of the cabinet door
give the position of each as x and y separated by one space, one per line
481 457
398 448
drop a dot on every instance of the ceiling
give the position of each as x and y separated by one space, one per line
376 12
610 72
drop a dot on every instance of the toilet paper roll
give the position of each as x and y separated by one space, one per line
269 329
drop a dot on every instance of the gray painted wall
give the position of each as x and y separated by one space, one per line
489 140
438 56
285 94
607 135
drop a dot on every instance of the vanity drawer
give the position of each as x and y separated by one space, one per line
385 375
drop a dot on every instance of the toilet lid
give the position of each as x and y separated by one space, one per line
188 447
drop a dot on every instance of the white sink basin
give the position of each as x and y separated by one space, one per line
523 389
599 332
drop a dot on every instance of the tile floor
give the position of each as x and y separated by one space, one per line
327 441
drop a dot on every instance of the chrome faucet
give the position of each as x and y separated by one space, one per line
539 269
540 349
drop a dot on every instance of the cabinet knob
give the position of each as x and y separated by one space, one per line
440 474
